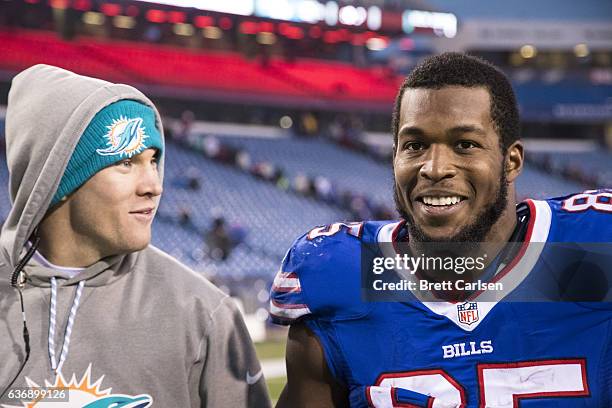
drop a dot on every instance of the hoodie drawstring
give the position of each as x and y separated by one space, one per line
57 368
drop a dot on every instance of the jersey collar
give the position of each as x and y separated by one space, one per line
510 276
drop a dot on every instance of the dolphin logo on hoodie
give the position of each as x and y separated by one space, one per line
121 401
125 137
80 392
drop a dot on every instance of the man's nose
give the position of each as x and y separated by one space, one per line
438 163
150 184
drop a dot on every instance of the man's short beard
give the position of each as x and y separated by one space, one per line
472 233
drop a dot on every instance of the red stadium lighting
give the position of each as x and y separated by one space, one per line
359 39
203 21
156 16
226 23
176 17
290 31
344 34
337 36
298 34
81 5
331 37
110 9
266 26
249 27
315 32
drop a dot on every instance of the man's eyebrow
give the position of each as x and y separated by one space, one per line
466 129
411 131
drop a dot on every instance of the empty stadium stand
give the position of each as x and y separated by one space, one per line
597 165
359 173
272 218
316 157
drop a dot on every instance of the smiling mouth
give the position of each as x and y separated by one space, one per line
441 201
146 211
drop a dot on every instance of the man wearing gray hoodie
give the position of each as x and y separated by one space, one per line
91 315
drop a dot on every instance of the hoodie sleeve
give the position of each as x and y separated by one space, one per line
232 375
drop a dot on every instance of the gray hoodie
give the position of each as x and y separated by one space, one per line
148 330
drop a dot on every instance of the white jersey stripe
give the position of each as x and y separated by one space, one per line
286 282
288 312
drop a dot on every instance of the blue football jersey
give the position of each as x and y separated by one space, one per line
474 353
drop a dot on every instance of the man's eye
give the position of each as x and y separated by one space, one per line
413 146
125 163
466 144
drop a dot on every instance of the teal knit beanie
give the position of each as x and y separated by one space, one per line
119 131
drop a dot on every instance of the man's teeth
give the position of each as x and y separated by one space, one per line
441 200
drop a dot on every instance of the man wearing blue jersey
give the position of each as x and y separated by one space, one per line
457 155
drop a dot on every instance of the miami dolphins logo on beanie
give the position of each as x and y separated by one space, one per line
125 137
118 131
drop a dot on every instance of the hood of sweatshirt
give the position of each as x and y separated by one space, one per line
48 110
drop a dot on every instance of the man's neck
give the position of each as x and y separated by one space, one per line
68 271
67 253
62 246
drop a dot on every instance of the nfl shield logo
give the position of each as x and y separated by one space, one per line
468 312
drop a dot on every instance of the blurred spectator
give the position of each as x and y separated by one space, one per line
184 216
359 207
302 184
193 178
243 160
335 129
323 187
190 179
218 240
211 146
184 126
237 234
308 124
267 171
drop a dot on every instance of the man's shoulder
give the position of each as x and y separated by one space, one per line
340 235
328 246
321 273
580 217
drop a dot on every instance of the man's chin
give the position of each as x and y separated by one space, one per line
136 244
142 245
435 234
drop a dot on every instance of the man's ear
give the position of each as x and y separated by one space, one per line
513 162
